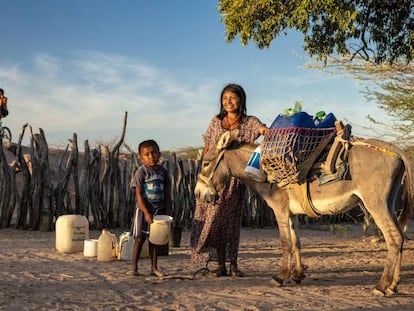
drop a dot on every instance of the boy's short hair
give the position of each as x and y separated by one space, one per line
1 91
148 143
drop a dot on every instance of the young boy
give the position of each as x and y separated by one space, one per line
153 195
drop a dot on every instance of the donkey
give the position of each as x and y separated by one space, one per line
379 179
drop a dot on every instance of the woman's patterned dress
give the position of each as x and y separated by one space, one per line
219 224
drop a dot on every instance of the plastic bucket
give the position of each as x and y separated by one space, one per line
160 229
71 231
90 247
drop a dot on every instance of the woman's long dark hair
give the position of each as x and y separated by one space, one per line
237 89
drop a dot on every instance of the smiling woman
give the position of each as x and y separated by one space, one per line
216 227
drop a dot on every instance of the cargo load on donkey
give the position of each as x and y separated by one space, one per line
293 144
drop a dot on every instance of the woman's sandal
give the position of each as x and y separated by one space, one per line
220 272
235 272
157 272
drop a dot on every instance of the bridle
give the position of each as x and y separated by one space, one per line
208 179
221 146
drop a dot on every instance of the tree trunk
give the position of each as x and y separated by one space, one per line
46 214
25 199
36 187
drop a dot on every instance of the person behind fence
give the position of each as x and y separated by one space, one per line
3 105
153 196
215 231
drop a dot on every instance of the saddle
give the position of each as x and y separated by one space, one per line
332 164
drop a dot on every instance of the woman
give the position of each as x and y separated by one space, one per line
216 227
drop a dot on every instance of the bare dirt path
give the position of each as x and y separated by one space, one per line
342 271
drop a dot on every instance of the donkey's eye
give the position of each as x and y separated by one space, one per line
205 164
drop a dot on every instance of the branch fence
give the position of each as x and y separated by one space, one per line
96 184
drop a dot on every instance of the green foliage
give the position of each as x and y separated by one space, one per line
378 30
389 86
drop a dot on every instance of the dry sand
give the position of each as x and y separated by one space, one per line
342 270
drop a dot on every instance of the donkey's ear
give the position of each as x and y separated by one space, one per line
224 141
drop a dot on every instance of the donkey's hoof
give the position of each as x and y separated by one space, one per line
297 277
378 293
391 291
276 281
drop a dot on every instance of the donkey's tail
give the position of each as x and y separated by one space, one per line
407 211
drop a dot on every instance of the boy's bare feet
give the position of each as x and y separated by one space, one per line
132 273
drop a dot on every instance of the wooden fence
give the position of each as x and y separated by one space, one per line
95 183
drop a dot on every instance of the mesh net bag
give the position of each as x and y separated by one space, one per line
287 154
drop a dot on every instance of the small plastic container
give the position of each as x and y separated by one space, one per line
90 247
327 122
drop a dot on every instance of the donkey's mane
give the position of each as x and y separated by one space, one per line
237 145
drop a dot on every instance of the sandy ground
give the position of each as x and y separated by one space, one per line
342 271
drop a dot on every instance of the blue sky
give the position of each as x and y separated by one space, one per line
78 65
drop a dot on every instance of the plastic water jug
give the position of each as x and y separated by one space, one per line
126 247
107 246
160 229
71 232
253 167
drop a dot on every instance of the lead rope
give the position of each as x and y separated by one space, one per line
205 270
202 271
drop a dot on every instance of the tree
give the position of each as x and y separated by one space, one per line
394 94
381 31
391 87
